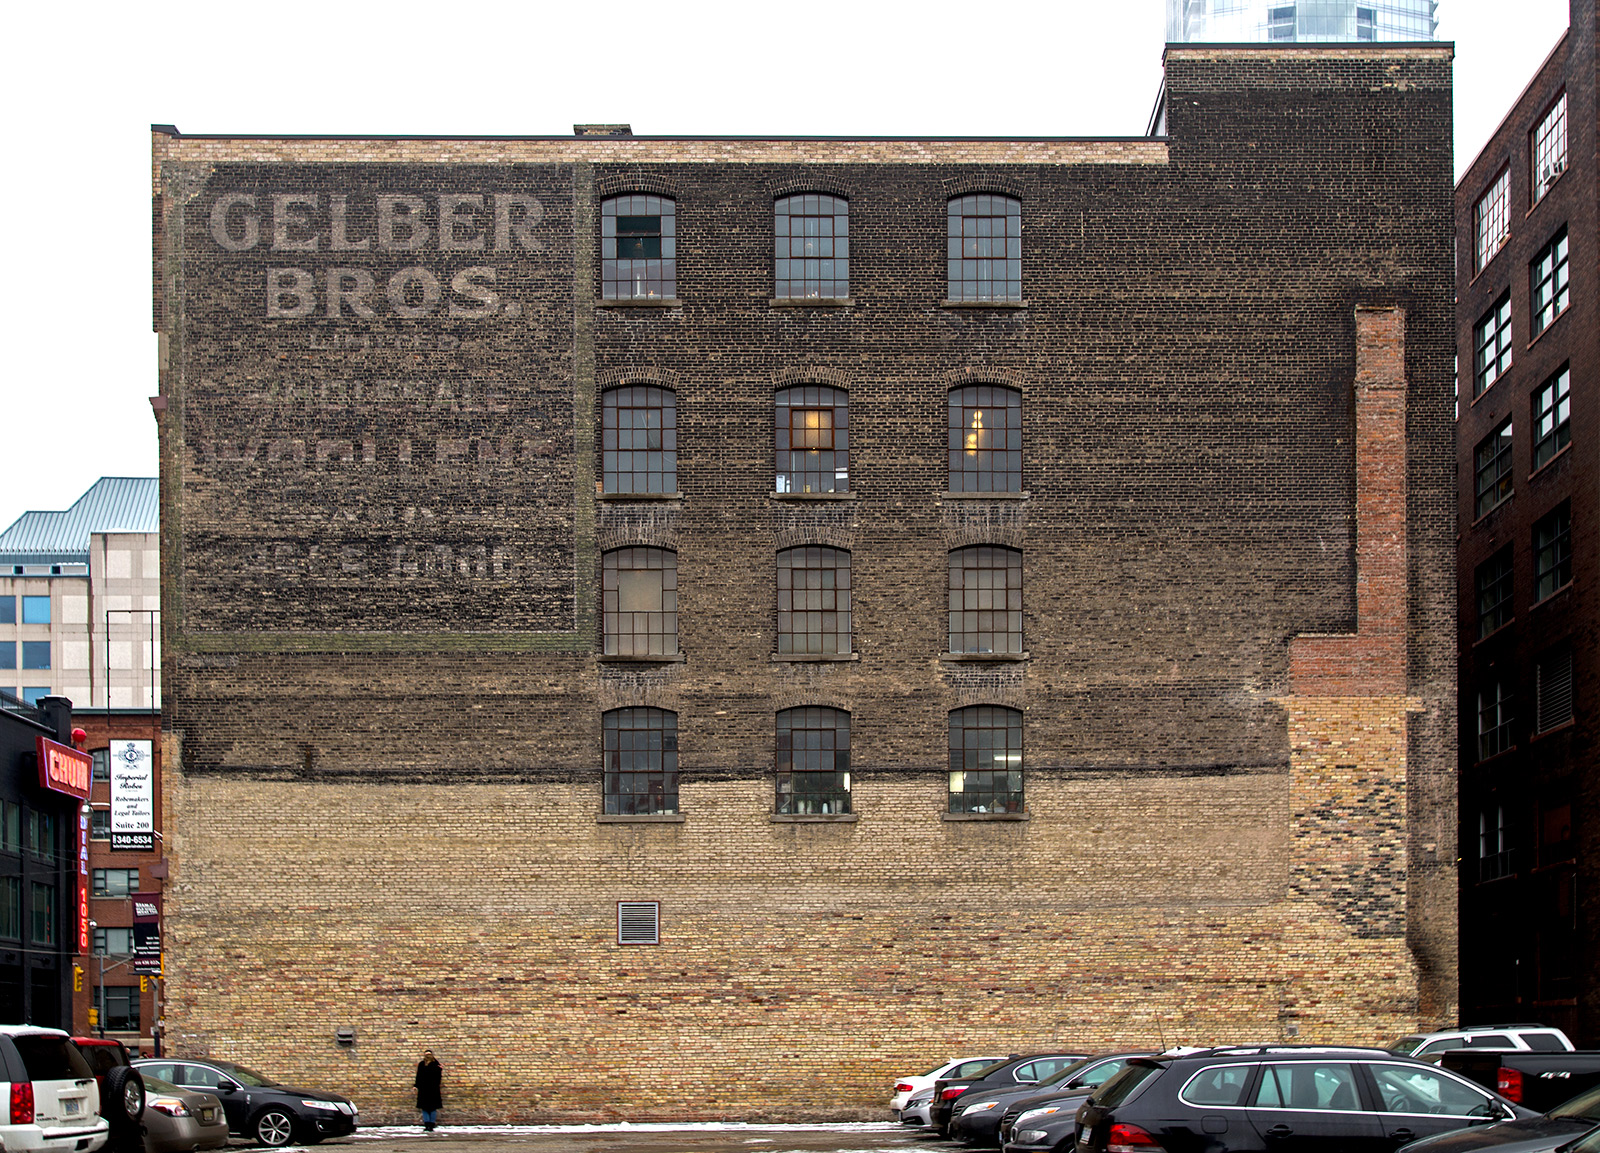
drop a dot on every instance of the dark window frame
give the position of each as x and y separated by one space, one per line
812 761
975 272
1494 481
639 749
1552 552
976 786
1492 341
1552 416
820 463
1496 717
631 266
630 631
1550 282
813 264
985 582
822 599
642 439
1495 585
985 453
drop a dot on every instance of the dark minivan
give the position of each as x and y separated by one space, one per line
1270 1099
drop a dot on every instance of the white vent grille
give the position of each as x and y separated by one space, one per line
1555 690
638 923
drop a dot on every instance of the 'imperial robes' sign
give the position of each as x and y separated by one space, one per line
64 769
133 796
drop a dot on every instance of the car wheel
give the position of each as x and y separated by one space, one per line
124 1103
274 1128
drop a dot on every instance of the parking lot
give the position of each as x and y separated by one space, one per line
712 1138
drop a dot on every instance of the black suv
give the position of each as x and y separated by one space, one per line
1268 1099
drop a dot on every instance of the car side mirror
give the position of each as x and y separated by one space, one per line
226 1086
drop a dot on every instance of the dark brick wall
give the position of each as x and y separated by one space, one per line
1186 354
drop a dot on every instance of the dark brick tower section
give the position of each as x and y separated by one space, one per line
385 370
1530 554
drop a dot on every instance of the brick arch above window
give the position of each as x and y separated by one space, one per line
986 374
992 182
815 182
830 536
619 183
811 374
617 377
811 696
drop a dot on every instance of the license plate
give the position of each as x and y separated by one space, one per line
208 1115
70 1106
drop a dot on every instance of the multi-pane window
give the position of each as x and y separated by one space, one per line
1550 147
1552 553
812 246
641 761
35 654
42 834
985 439
101 770
113 941
985 600
99 824
1494 720
1492 468
43 909
1491 218
985 760
1552 417
813 761
985 247
1550 278
1553 689
639 440
115 882
639 601
1491 338
814 600
1495 585
119 1007
638 248
813 424
11 908
1494 844
10 827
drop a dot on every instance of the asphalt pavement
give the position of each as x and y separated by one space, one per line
867 1137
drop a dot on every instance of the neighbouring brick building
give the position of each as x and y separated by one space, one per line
648 610
1528 466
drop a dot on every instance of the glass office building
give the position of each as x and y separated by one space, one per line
1303 21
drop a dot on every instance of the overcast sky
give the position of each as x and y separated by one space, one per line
85 82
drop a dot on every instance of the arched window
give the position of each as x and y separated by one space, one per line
985 247
639 601
986 760
814 600
986 600
813 761
985 439
813 423
638 247
641 761
639 440
812 241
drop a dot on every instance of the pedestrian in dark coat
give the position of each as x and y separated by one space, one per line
429 1073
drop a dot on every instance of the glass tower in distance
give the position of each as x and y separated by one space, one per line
1303 21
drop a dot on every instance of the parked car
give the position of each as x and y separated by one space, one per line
1538 1038
258 1107
179 1120
122 1096
1064 1096
976 1116
904 1087
1539 1081
1542 1134
1014 1071
1270 1099
918 1109
54 1099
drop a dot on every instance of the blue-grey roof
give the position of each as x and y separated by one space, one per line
112 504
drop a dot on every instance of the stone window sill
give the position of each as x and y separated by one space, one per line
642 302
805 496
981 657
985 816
641 658
625 497
812 818
812 302
842 657
640 819
1024 495
1012 304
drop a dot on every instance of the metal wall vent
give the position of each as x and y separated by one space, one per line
638 922
1554 690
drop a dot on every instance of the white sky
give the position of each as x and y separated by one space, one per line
84 82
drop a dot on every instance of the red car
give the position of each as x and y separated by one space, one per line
121 1089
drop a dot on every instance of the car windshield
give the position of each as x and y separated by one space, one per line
246 1077
1061 1075
1406 1045
1585 1106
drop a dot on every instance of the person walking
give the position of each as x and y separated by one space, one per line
429 1074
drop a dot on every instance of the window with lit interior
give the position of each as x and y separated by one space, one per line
813 454
985 439
813 761
986 760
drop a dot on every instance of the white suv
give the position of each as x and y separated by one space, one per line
1428 1046
48 1096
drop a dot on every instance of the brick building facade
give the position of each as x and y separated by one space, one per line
1528 328
917 647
